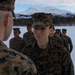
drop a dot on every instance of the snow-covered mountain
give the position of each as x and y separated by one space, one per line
49 9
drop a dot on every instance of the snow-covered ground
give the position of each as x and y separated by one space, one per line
70 32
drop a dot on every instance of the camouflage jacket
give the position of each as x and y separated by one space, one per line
28 37
60 41
7 5
15 63
54 60
17 43
70 45
56 39
65 43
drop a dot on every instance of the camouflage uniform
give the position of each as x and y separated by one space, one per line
56 39
55 60
15 63
60 41
17 43
28 37
70 45
64 41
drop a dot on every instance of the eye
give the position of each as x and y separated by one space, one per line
42 28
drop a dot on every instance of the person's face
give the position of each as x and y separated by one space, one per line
16 33
41 33
29 28
51 31
63 33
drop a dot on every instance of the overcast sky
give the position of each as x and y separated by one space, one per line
21 5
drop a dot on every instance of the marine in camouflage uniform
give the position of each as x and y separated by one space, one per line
54 37
53 59
29 36
70 45
64 41
17 42
11 61
15 63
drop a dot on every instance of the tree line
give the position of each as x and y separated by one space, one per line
57 20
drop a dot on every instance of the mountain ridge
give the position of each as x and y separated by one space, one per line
48 9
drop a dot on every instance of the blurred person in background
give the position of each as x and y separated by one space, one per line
29 36
64 35
64 41
54 37
17 42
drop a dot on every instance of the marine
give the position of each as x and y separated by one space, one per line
29 36
49 57
64 41
11 61
17 42
69 40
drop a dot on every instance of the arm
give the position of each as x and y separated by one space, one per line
70 44
67 65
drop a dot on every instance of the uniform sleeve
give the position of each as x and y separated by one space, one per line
67 65
71 45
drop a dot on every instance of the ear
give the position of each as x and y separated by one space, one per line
6 20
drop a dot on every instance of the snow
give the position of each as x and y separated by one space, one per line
70 32
48 9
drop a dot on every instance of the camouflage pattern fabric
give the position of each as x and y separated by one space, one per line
28 37
65 43
54 60
7 5
15 63
60 41
57 39
70 45
17 43
42 19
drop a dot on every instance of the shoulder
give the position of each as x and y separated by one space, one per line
18 59
25 33
60 49
12 39
20 38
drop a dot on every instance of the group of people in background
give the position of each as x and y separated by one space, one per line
61 37
17 42
56 35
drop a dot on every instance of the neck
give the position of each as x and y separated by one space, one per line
51 35
43 44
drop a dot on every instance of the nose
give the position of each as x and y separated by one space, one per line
38 30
